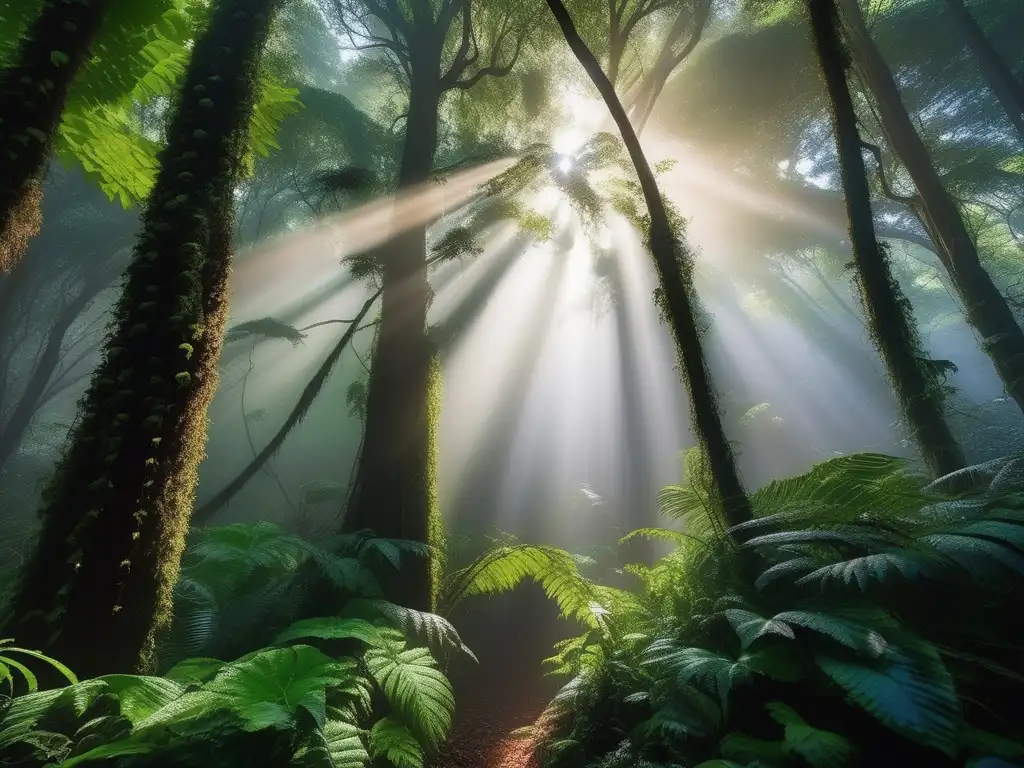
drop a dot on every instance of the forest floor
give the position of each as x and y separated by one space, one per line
507 690
480 737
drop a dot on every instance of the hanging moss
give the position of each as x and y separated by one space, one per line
32 97
99 584
436 536
22 225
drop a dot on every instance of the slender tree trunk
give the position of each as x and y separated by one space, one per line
98 585
394 493
667 252
1000 78
890 318
32 97
641 105
985 307
12 431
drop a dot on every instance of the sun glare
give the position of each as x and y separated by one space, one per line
565 164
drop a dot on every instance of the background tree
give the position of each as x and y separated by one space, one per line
452 46
670 256
986 308
889 315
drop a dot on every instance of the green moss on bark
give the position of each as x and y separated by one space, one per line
32 97
115 515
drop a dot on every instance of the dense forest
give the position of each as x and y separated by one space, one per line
512 383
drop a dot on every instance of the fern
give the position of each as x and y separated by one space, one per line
8 663
416 690
434 630
502 569
390 739
907 689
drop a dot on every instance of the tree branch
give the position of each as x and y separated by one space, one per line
886 189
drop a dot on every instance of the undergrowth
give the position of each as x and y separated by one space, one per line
866 620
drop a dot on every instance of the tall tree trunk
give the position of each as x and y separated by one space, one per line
667 252
641 103
12 431
32 96
986 308
394 493
890 318
98 585
1000 78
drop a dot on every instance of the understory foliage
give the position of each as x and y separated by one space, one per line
340 690
874 632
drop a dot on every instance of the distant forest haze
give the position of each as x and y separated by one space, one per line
511 383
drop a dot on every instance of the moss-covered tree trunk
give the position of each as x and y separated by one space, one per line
890 318
985 307
1000 78
32 96
666 249
98 585
394 490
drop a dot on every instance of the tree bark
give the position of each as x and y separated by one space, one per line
985 307
890 318
13 429
667 251
393 493
1000 78
97 587
32 97
646 96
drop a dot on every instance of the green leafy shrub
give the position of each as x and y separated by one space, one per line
339 691
864 622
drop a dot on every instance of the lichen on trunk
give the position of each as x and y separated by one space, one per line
33 92
115 515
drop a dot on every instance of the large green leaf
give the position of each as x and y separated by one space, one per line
269 687
194 670
415 688
909 691
141 696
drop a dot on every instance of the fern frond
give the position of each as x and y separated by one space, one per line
908 690
391 740
436 631
502 569
415 689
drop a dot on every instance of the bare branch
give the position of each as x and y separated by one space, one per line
884 182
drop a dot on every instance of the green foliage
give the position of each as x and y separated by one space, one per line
9 665
291 701
838 600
